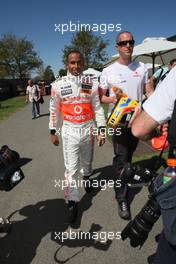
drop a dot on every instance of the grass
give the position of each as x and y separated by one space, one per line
10 106
151 161
148 156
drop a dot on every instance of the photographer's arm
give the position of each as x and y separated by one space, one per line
144 126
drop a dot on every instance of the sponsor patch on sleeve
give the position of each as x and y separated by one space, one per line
86 88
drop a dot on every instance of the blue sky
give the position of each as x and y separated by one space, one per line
36 21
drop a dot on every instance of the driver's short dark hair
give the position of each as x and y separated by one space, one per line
74 51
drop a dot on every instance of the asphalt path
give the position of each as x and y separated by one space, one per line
37 208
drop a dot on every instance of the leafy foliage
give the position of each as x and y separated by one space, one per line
92 47
48 74
62 72
17 57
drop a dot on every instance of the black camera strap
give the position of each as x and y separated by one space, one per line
172 133
171 139
159 77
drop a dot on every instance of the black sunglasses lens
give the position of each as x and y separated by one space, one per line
124 43
132 42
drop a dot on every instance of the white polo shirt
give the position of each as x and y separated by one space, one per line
129 78
160 104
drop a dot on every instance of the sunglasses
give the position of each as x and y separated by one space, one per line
125 42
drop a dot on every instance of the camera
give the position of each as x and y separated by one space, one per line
10 172
137 230
135 175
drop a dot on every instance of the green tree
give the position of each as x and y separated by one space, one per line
92 47
40 71
3 72
17 57
62 72
48 74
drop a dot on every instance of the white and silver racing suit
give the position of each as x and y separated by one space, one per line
79 104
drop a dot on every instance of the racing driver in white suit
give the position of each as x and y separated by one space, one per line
78 103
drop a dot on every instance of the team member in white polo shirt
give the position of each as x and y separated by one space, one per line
132 78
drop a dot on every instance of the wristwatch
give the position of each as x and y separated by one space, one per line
52 132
